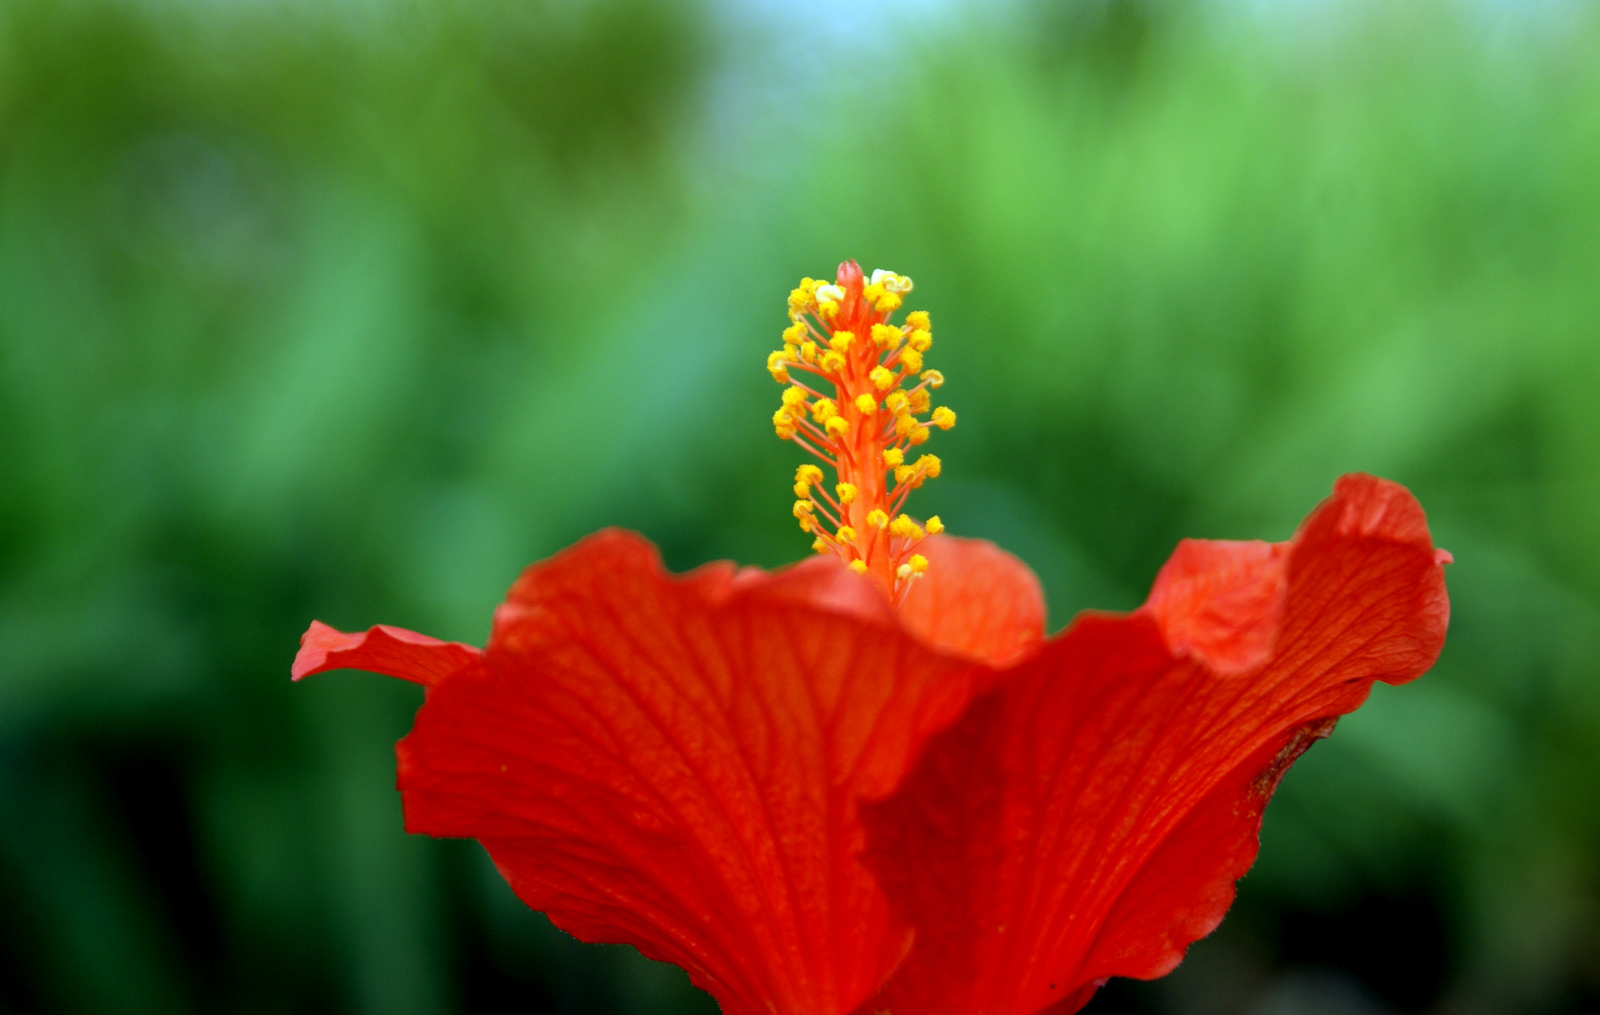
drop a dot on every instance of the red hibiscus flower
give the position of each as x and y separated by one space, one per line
869 783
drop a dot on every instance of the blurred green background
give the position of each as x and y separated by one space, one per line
349 310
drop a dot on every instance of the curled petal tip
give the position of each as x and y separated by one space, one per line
392 651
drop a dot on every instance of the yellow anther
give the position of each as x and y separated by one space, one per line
841 340
943 418
838 426
930 465
905 528
823 410
846 536
897 402
794 334
819 546
917 320
783 423
803 508
807 523
866 403
919 564
808 351
784 432
775 365
833 361
919 339
793 396
882 378
858 566
872 292
802 490
877 518
935 526
933 377
893 457
903 572
885 335
920 400
888 303
847 493
911 359
808 474
918 436
904 423
905 474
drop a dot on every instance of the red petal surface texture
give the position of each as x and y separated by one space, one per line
975 600
1088 818
676 763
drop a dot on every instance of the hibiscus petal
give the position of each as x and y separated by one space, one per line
393 651
675 764
976 600
1089 818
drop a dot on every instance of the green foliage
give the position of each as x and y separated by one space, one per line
348 312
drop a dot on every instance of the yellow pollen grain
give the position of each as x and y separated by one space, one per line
930 465
841 340
803 508
897 400
911 359
933 377
920 340
872 293
793 396
893 457
882 378
935 526
794 334
866 403
918 436
885 335
877 518
846 535
823 410
847 493
905 528
833 361
808 474
904 424
888 303
918 563
838 426
808 351
819 546
943 418
904 474
920 400
917 320
903 572
858 566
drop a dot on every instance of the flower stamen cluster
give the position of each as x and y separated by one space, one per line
840 335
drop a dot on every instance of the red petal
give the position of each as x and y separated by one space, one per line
675 764
1090 817
393 651
976 600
